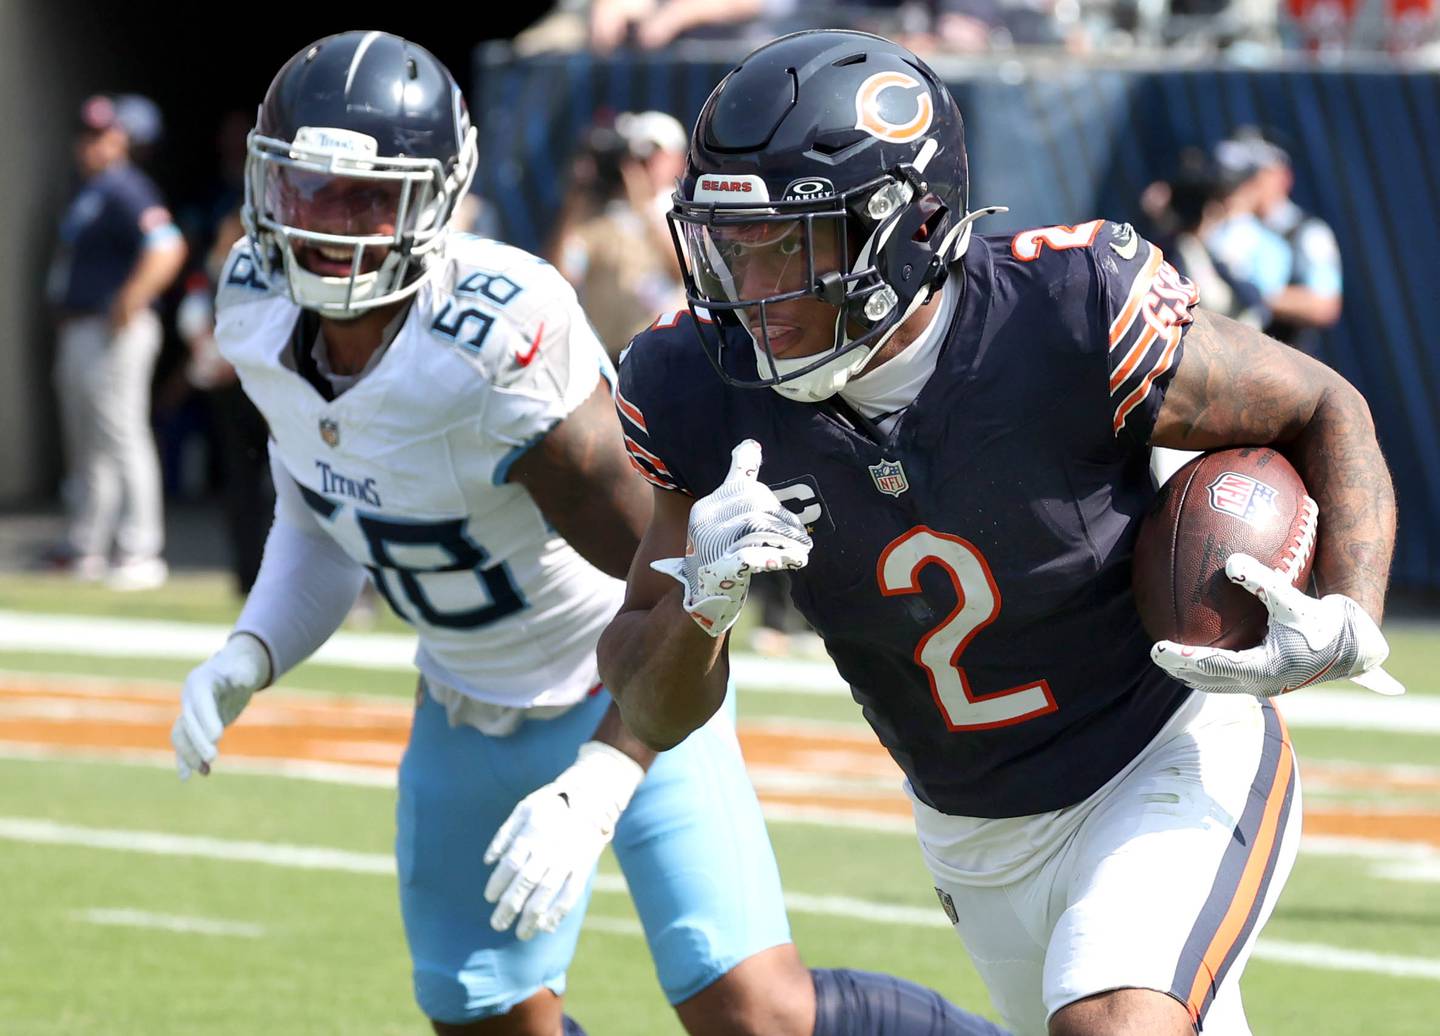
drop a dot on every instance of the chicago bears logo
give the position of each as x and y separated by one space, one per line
870 114
1240 495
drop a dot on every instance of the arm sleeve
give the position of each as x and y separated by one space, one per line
1145 305
306 584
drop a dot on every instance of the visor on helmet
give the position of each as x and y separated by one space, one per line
350 206
746 263
329 190
327 199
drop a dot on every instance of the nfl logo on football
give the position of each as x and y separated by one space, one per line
330 431
889 477
1244 497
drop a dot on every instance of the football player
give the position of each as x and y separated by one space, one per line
441 419
954 432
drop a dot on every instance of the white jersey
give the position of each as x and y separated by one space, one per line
406 470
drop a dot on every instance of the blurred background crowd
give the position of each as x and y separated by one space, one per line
1329 28
117 364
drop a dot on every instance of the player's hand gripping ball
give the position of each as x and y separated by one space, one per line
1220 566
1245 501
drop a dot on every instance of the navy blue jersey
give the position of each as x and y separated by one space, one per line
971 575
102 235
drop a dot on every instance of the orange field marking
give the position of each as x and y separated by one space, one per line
807 767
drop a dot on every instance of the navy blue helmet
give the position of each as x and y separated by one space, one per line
828 167
361 151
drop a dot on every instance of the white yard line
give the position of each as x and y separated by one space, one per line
149 638
45 832
124 918
163 759
612 925
152 638
1314 955
1418 861
157 843
1419 872
1334 958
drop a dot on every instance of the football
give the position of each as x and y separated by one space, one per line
1248 501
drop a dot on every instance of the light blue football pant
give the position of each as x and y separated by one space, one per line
692 846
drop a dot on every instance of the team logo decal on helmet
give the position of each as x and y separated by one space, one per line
870 117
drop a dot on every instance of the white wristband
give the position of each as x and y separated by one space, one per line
604 769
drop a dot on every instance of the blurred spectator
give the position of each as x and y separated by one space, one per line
612 241
239 432
1332 28
971 26
1322 27
1410 25
118 250
606 25
1307 298
1248 248
1185 211
1003 24
652 24
1312 299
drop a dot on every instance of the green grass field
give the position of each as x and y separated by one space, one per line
1354 947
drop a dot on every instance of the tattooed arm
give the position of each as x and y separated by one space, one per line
1236 387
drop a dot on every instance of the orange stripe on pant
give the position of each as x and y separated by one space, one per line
1252 880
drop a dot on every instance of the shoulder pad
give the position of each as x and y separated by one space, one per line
673 328
512 317
242 280
497 275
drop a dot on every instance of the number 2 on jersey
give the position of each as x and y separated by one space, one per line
1026 245
939 651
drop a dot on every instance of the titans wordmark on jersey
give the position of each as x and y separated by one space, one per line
970 575
407 469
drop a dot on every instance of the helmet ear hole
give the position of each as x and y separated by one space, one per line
933 212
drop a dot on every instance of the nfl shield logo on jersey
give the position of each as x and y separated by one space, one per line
889 477
1246 498
330 431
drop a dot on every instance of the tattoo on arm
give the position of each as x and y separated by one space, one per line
1236 387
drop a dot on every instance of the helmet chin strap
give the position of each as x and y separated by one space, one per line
829 378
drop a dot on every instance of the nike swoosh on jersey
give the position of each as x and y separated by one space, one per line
523 359
1127 250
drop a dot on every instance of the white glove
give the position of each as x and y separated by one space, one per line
1308 641
549 845
740 528
215 693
